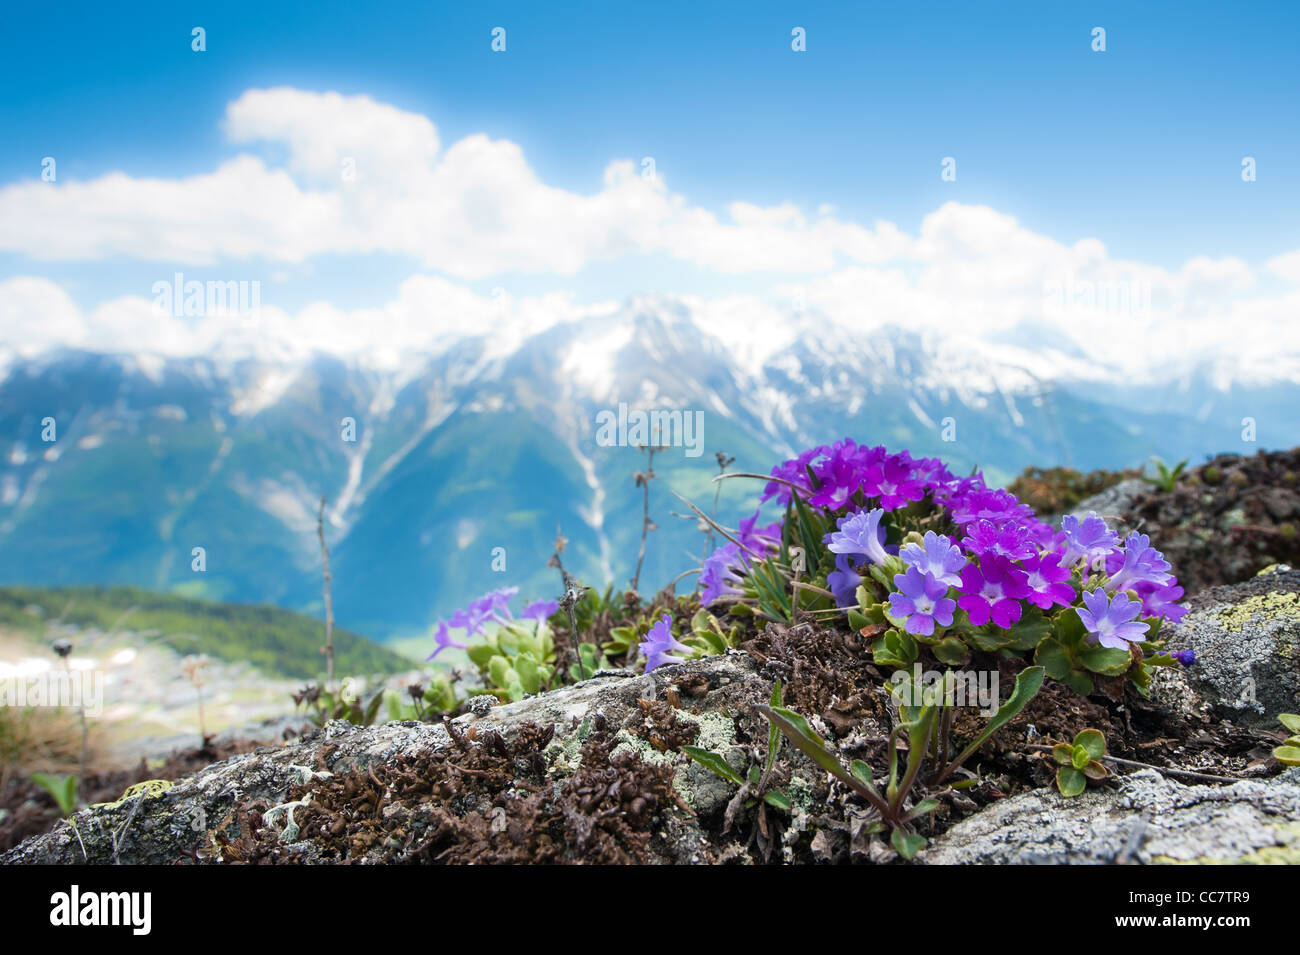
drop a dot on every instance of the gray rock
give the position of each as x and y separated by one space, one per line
161 828
1150 819
1247 642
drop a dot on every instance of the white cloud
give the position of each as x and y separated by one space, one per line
476 208
361 176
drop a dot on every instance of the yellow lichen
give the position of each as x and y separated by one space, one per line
1286 851
1268 606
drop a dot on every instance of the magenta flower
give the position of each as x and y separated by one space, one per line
659 644
859 535
1111 623
983 504
795 471
922 601
937 556
1046 578
840 475
1089 538
892 482
1139 563
992 589
1011 540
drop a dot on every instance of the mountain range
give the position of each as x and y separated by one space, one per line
449 473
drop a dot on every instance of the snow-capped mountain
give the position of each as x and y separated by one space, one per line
449 472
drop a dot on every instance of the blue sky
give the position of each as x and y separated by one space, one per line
1139 146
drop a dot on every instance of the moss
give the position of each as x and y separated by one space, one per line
1269 606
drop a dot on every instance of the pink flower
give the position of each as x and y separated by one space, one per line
992 589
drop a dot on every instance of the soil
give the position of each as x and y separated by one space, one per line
28 810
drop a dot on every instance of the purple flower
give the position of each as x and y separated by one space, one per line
539 610
1011 540
1089 538
1111 623
892 482
921 600
761 539
443 639
860 535
844 581
1046 578
937 556
840 475
1186 657
659 644
983 504
992 589
719 577
1138 563
1158 600
492 607
795 471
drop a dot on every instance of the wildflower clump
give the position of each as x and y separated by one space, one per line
917 556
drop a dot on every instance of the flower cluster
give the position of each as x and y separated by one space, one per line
995 559
492 608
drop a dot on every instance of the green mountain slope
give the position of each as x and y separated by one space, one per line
278 642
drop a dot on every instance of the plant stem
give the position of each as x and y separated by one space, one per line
1167 770
328 649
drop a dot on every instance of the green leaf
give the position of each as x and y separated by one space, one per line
62 789
1028 682
861 771
1029 631
372 708
1095 770
1052 657
480 654
922 807
1080 683
1106 661
773 734
1080 758
714 762
1287 754
778 800
501 672
952 651
857 621
526 667
1070 781
1069 629
1063 753
798 732
1290 720
989 638
907 844
1092 742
